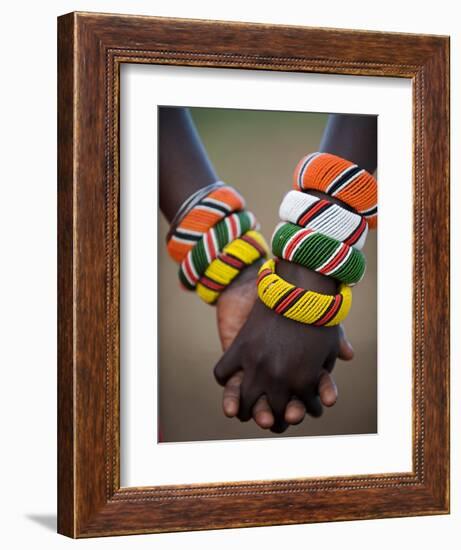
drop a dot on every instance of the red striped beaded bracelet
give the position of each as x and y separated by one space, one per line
324 216
298 304
212 243
235 257
208 212
316 251
339 178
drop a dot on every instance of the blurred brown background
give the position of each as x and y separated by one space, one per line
256 152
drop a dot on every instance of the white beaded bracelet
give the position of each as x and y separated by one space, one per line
324 216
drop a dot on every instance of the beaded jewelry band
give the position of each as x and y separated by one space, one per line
324 216
208 212
339 178
305 306
319 253
237 255
189 203
208 248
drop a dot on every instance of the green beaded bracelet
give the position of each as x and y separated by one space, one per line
318 252
211 244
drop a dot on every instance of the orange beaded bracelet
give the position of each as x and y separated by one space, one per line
342 179
208 212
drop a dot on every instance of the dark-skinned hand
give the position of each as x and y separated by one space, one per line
237 308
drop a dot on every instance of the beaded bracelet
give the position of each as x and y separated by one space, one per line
211 244
237 255
324 216
319 253
189 203
208 212
339 178
305 306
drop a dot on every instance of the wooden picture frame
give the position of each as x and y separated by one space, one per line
91 49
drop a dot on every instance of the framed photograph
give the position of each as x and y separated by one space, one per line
239 342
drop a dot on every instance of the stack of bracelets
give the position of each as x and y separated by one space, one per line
214 238
321 236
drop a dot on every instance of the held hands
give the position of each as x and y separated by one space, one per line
275 369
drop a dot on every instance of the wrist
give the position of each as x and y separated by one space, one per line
291 272
305 278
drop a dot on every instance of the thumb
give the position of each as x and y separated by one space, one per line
232 310
346 351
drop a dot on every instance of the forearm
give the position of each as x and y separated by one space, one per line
349 136
184 166
353 137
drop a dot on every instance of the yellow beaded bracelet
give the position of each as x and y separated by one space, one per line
235 256
305 306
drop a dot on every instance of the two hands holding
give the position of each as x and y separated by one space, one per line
274 370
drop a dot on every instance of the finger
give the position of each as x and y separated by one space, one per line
231 394
227 365
328 391
312 403
262 413
346 351
277 402
295 412
249 394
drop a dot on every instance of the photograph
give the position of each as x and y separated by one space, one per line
267 274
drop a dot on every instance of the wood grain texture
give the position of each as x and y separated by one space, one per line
91 49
